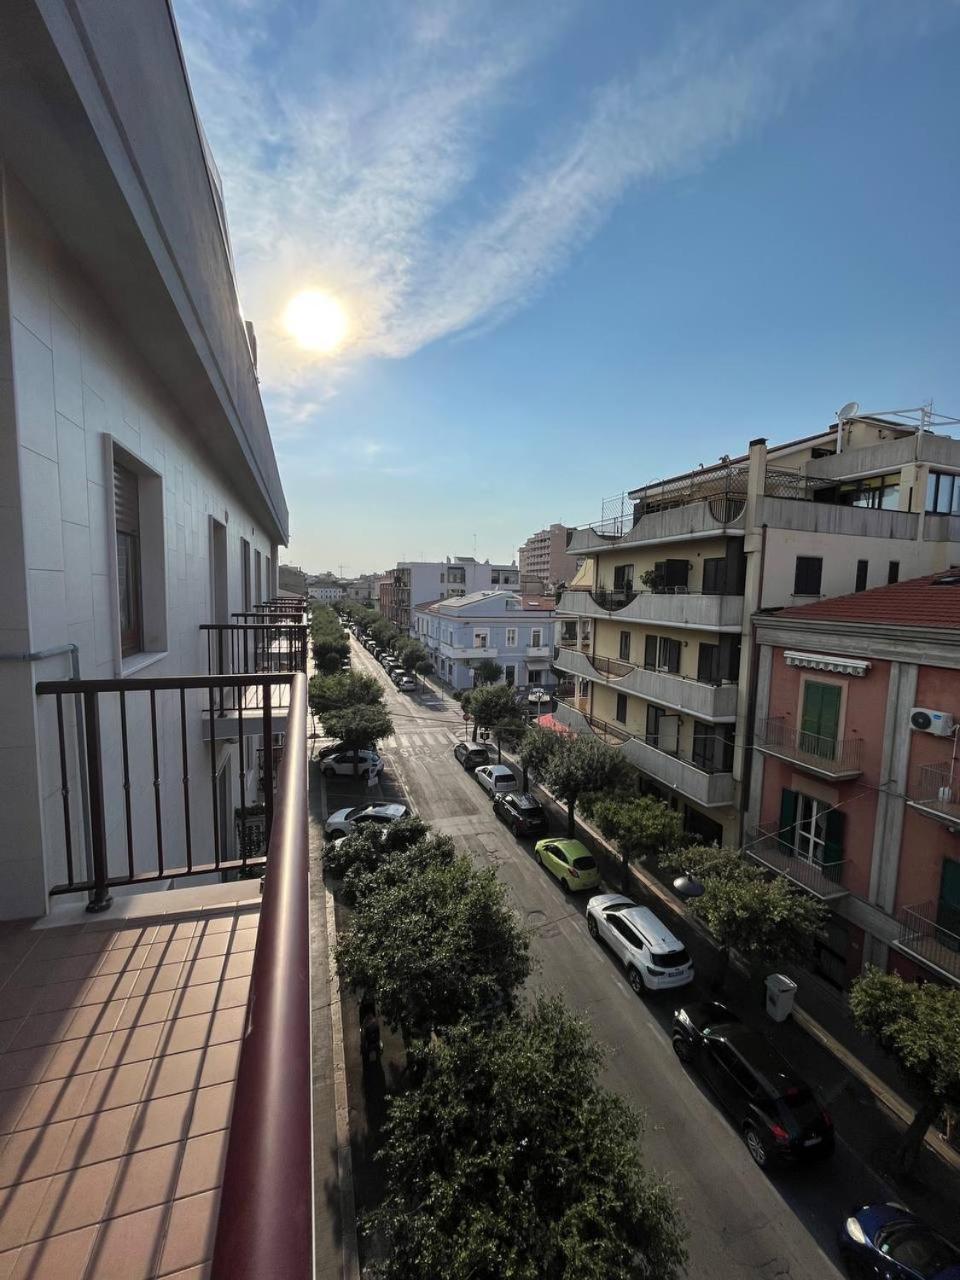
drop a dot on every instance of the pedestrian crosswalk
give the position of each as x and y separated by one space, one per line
421 743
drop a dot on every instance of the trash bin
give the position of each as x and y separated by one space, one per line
781 992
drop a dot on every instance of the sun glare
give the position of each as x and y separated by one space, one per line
317 321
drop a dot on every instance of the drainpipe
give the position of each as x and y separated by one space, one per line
56 651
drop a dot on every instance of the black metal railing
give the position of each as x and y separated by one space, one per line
615 668
255 648
612 600
936 786
823 753
149 787
768 846
931 930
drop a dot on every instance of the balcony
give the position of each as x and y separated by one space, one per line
925 935
822 879
681 609
250 649
692 518
834 758
463 654
825 517
933 789
680 693
153 1125
710 788
535 651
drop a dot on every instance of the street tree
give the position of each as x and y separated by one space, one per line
424 668
640 827
919 1026
330 642
487 671
358 727
510 1160
536 747
581 764
491 704
435 948
345 689
412 653
384 633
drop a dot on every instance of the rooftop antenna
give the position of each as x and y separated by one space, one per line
850 410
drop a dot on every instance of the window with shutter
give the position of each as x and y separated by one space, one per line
621 711
650 653
670 655
708 663
787 830
820 719
861 582
245 574
126 493
808 575
625 646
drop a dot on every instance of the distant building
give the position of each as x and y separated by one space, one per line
363 589
544 555
329 593
512 630
385 595
416 581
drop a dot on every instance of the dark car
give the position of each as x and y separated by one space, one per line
522 814
471 757
775 1111
888 1240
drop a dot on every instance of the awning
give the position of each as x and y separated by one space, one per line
553 724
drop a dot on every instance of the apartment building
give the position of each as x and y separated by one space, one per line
327 593
854 788
657 651
417 581
544 555
516 632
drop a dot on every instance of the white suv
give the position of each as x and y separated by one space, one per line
652 956
342 762
496 779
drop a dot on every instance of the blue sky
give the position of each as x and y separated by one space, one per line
581 243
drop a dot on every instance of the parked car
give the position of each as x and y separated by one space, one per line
470 757
652 956
888 1240
345 821
522 814
570 861
342 762
407 684
496 778
775 1111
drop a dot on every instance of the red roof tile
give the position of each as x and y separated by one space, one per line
931 601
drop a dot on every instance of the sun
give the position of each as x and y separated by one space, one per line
317 321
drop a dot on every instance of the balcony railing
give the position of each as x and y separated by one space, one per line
822 879
616 668
934 788
253 648
825 756
613 599
931 932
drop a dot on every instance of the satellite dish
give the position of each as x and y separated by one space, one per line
848 411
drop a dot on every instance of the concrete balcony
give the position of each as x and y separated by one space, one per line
822 879
823 517
455 652
679 693
683 610
539 651
834 758
711 790
934 789
705 518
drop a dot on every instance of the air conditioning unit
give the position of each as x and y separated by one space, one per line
939 723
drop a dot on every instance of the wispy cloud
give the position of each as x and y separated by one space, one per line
363 161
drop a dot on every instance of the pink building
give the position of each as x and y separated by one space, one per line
854 786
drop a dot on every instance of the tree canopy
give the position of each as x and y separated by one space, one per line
358 726
487 671
536 748
330 642
509 1160
491 705
344 689
580 764
640 826
919 1026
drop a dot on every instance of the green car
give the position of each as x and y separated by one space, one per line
569 861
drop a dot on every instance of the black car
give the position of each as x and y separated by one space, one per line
888 1240
471 757
774 1110
524 815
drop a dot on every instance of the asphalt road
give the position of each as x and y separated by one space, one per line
743 1223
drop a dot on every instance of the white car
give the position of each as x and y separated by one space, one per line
342 762
345 821
653 958
406 684
496 779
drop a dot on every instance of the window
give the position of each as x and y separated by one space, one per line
624 646
861 582
712 747
810 828
510 676
126 493
623 577
621 711
536 637
714 576
480 639
258 577
511 637
708 663
534 677
654 716
669 655
893 572
943 493
807 576
820 719
245 574
650 653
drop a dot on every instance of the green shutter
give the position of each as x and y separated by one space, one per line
788 819
820 719
948 907
833 836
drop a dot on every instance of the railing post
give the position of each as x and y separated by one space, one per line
268 758
100 899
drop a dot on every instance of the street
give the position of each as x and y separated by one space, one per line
742 1222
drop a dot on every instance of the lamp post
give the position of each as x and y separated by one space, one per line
687 887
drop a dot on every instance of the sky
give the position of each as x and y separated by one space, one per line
579 244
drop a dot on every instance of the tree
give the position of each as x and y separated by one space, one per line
435 948
411 654
919 1026
330 642
424 668
509 1160
487 672
536 748
767 921
579 764
358 727
345 689
489 705
385 633
638 825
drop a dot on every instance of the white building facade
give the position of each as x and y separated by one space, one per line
514 631
417 581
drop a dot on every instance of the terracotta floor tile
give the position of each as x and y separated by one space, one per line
172 950
219 944
212 1109
129 1248
18 1208
74 1199
134 1044
203 1159
57 943
192 1273
8 1261
115 1086
67 995
193 1000
38 972
102 1136
190 1231
183 1033
135 936
64 1257
93 1019
141 1011
23 1066
18 1001
33 1153
233 992
76 1056
43 1028
13 1103
53 1101
162 1120
229 923
175 1073
176 929
239 965
220 1063
146 1178
8 1030
123 959
207 969
165 977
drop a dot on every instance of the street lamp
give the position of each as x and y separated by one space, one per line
687 886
